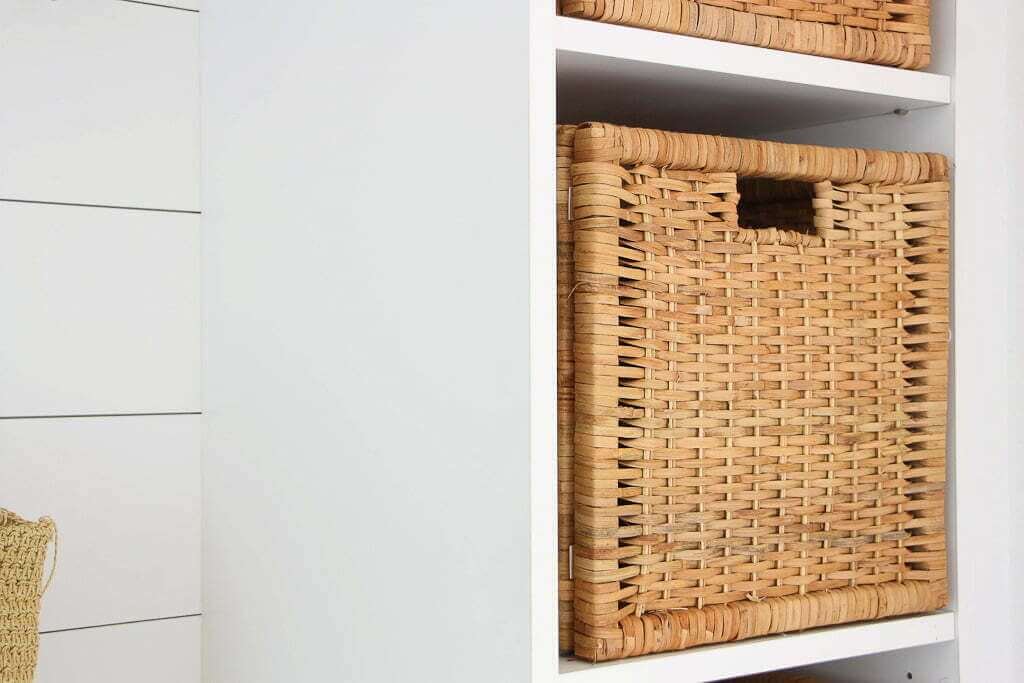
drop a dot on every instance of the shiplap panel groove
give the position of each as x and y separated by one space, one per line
181 5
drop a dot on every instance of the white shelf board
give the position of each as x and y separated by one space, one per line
639 77
768 654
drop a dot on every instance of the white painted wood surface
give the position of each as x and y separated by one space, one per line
100 310
1015 91
985 303
100 103
150 652
674 82
543 343
925 664
366 383
124 492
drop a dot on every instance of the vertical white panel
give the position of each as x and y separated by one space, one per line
124 493
983 303
543 342
101 103
1015 148
367 341
100 310
150 652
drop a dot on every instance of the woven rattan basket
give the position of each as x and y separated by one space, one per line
22 556
889 32
566 395
760 411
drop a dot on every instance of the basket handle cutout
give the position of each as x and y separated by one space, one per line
772 211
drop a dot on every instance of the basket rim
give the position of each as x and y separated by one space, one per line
10 520
893 43
765 159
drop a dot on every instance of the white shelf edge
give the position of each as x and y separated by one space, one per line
768 654
685 52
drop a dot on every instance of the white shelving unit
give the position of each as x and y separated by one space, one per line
643 78
379 379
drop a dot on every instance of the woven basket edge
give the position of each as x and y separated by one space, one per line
716 153
10 520
868 46
659 632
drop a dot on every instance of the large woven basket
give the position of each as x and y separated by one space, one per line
760 411
22 556
889 32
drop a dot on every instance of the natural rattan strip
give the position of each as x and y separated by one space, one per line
22 556
760 414
566 395
887 32
761 159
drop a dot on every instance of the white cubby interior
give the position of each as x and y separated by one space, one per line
643 78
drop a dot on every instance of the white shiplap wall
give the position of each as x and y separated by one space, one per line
99 298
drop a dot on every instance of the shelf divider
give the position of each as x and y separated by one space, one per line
639 77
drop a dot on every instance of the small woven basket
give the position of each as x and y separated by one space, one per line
759 417
887 32
22 558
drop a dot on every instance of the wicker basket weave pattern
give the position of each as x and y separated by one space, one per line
888 32
760 414
22 556
566 393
